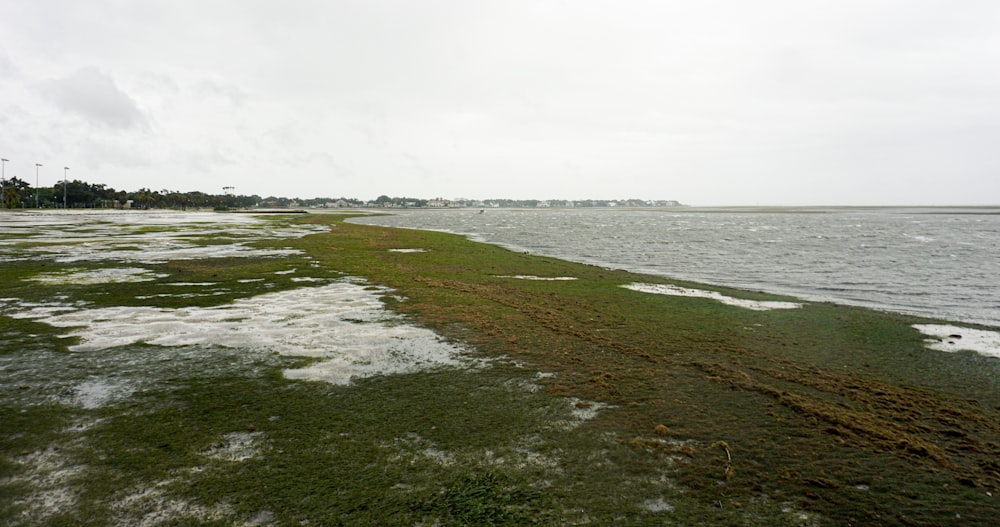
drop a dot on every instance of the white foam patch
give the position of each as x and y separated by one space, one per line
154 253
586 410
580 412
98 276
17 308
343 323
152 506
144 237
955 338
97 393
407 250
657 505
236 446
756 305
52 477
182 295
543 278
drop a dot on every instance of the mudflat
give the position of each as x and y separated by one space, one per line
303 370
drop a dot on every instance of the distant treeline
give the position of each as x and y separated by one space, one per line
386 201
18 193
77 194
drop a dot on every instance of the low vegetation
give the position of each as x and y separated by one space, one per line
583 402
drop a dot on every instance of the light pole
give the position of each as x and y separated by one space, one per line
37 206
3 181
64 186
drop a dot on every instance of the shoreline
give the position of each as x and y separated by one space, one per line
774 355
987 336
705 262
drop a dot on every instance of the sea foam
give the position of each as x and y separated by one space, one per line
955 338
666 289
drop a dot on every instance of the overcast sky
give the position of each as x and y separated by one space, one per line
765 102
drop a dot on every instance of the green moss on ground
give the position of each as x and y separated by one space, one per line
703 414
817 403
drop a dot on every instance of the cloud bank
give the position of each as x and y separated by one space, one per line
716 102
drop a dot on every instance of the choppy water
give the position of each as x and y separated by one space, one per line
943 263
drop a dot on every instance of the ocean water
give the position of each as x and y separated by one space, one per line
941 263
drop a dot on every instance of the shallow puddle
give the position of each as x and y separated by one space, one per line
98 276
344 324
142 237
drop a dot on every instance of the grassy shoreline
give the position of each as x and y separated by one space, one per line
697 412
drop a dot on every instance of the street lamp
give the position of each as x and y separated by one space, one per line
37 206
3 181
64 186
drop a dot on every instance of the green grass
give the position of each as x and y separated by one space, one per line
815 402
826 415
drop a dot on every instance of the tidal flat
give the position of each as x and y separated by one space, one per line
215 369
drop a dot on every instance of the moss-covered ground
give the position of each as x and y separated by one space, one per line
598 405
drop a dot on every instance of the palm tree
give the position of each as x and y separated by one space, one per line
14 193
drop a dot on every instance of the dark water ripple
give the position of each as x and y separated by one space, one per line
943 264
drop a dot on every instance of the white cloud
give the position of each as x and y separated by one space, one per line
96 97
7 68
714 102
220 91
